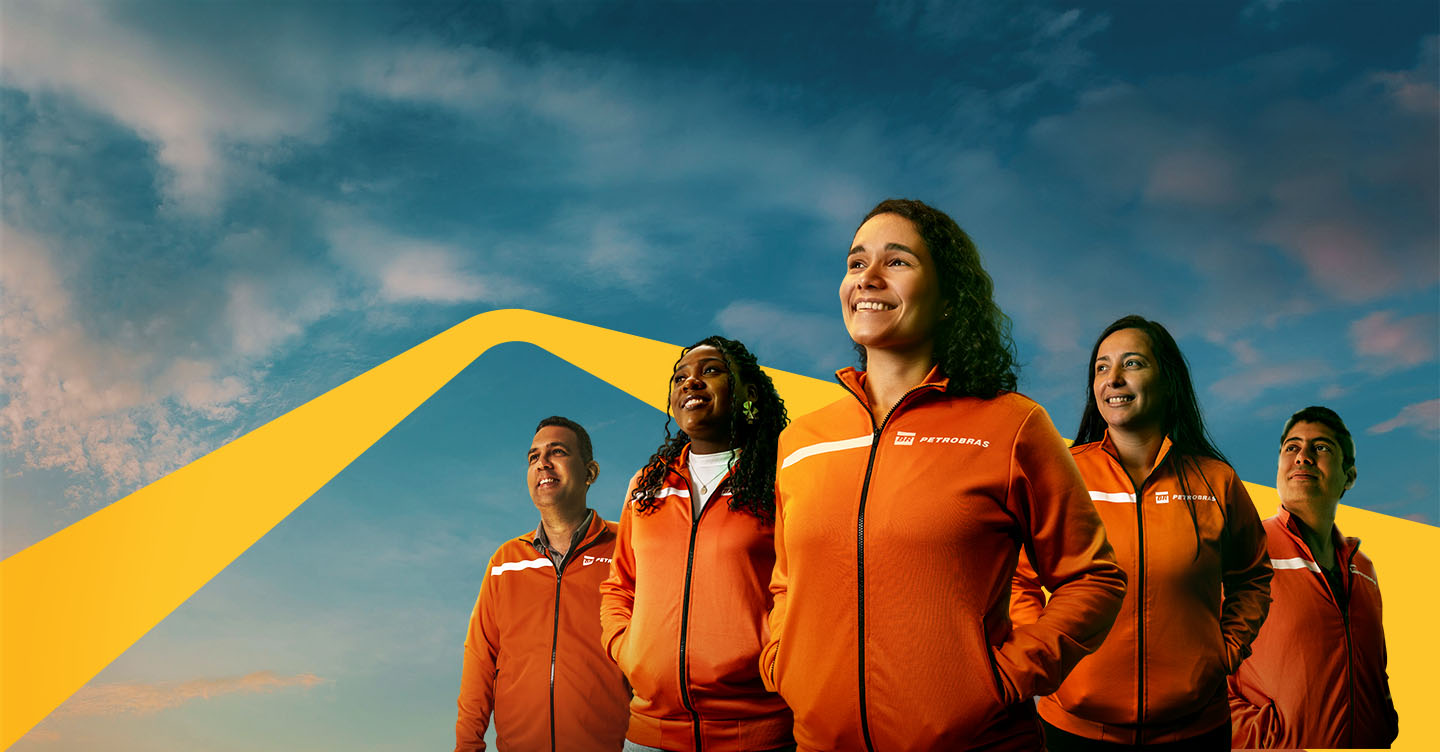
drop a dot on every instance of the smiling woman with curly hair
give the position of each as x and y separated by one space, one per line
901 510
683 611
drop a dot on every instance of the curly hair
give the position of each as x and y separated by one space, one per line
752 474
1182 420
973 346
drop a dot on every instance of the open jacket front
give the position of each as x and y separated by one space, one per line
1199 588
896 541
683 614
1317 676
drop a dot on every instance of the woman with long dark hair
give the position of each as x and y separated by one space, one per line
1188 536
901 510
683 611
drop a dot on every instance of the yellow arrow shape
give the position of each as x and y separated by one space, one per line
75 601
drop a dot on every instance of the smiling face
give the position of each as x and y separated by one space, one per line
700 399
1127 386
890 296
558 476
1311 472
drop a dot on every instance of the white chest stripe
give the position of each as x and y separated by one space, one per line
516 566
1118 498
1295 563
672 491
825 447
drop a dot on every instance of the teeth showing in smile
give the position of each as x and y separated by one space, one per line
873 305
547 482
691 402
1120 400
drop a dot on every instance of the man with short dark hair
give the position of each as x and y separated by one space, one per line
533 651
1316 676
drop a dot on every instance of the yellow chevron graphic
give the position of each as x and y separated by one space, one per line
75 601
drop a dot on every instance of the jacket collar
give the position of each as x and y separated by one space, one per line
1344 547
854 380
1109 447
588 531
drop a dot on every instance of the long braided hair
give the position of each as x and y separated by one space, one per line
973 346
752 471
1182 422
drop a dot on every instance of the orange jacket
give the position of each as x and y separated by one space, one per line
533 653
1160 676
1317 676
895 544
683 615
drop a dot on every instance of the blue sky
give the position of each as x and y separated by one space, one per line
213 212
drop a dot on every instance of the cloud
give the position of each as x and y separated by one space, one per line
1385 343
411 270
1194 177
185 98
1246 384
149 698
1424 417
773 332
1255 208
95 405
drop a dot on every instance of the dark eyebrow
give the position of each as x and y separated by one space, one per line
888 247
701 362
536 450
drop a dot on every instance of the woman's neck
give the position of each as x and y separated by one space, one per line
1138 450
890 374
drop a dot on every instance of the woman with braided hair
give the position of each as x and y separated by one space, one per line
683 611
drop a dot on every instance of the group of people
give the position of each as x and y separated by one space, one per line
924 565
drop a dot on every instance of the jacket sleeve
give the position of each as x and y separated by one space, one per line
1245 572
1027 598
1065 542
477 677
617 592
1255 723
779 594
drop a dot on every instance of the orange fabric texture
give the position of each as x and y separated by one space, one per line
1317 676
529 615
683 615
1199 589
895 547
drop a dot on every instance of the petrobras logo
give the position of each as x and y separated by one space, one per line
971 440
588 560
1162 497
1191 497
906 438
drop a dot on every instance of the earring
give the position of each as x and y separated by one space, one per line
749 411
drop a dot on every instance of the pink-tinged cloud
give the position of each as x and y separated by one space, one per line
148 698
1248 383
1385 343
1424 417
1193 177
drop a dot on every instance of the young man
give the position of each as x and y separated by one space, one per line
1316 677
533 651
